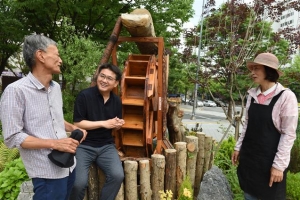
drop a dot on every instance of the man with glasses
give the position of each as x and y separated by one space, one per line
98 110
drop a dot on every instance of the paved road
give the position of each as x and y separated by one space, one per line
213 122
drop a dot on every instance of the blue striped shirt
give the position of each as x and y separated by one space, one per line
28 108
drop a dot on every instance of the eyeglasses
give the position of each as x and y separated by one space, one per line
108 78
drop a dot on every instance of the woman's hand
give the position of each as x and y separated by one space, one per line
235 157
276 176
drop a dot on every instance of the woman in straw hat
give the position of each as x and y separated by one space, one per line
263 148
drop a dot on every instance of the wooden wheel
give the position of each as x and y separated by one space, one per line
152 104
138 91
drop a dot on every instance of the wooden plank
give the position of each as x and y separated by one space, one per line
135 80
134 92
152 77
133 138
137 68
133 121
135 151
140 57
134 102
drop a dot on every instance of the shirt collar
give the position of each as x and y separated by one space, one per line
265 93
36 82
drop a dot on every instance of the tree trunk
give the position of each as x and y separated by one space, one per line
108 50
230 113
130 168
145 186
157 175
174 120
170 180
192 150
200 162
181 163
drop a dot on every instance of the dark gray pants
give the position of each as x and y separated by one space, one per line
108 160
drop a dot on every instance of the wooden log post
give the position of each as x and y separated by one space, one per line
207 147
101 179
86 195
170 176
181 163
157 175
120 195
212 155
93 185
145 186
192 150
130 169
199 162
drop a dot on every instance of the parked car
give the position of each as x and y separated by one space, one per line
190 101
221 103
209 103
173 95
199 103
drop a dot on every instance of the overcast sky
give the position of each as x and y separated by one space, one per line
198 10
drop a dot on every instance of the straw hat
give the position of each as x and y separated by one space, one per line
267 59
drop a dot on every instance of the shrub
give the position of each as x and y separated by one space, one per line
11 178
223 161
293 186
233 180
7 155
294 165
223 154
186 190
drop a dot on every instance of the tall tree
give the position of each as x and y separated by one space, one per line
232 34
12 32
292 76
94 19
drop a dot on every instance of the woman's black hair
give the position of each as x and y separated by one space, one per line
271 74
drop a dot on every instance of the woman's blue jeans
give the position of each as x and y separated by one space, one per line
107 159
249 197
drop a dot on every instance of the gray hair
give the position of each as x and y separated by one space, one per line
33 43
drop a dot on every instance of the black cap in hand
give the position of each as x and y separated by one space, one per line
65 159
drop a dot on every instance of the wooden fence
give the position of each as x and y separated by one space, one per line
145 177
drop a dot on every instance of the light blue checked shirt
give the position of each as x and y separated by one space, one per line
28 108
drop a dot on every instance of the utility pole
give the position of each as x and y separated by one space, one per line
198 63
